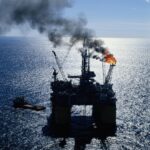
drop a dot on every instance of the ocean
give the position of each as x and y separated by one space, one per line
26 67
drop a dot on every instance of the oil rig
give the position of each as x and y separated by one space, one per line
65 94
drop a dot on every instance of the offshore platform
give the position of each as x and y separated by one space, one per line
65 94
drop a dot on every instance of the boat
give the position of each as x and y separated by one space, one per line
20 102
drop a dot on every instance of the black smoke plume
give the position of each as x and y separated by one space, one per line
44 15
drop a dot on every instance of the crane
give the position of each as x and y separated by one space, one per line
59 66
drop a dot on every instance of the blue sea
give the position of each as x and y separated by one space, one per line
26 66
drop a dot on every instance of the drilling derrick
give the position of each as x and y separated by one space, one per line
85 65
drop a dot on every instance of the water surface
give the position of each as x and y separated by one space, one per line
26 69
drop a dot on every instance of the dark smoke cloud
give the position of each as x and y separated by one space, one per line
45 16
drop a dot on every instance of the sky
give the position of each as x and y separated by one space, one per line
110 18
115 18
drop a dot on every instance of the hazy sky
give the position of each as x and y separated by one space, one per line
111 18
115 18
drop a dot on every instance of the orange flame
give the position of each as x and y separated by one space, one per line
110 59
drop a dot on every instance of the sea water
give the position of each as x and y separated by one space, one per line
26 67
